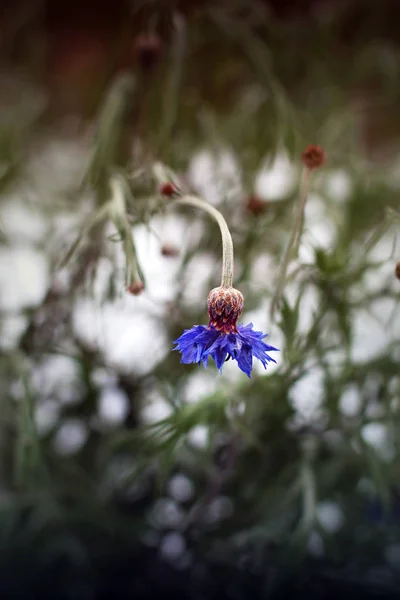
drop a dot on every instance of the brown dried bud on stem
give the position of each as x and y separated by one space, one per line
225 305
169 250
136 288
168 189
148 48
313 157
255 205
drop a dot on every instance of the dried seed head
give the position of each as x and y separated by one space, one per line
136 288
313 157
397 270
255 205
169 250
148 48
225 305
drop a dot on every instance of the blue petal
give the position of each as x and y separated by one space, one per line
245 359
194 344
219 355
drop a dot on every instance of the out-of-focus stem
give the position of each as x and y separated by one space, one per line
292 248
119 214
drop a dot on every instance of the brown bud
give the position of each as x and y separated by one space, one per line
397 270
168 189
225 305
136 288
255 205
313 157
148 48
169 250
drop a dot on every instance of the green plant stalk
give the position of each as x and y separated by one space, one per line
119 214
27 452
165 175
227 244
171 96
292 248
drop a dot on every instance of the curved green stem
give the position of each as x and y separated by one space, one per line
227 244
163 174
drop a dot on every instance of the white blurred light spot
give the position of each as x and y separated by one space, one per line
276 180
370 337
330 516
172 546
319 229
24 278
199 270
350 401
377 436
21 221
167 513
70 437
198 436
338 185
46 416
199 385
113 405
132 341
155 410
59 376
214 175
306 394
12 328
180 488
103 377
219 508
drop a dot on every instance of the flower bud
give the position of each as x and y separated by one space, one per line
225 305
168 189
136 288
255 205
169 250
148 48
313 157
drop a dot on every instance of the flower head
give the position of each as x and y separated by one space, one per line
222 338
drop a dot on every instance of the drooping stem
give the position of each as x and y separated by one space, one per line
163 175
227 244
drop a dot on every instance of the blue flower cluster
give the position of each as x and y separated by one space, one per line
200 342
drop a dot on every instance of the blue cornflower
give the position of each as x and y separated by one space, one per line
222 339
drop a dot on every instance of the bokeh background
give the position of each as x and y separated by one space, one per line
122 471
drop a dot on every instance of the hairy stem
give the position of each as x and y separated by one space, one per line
227 244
